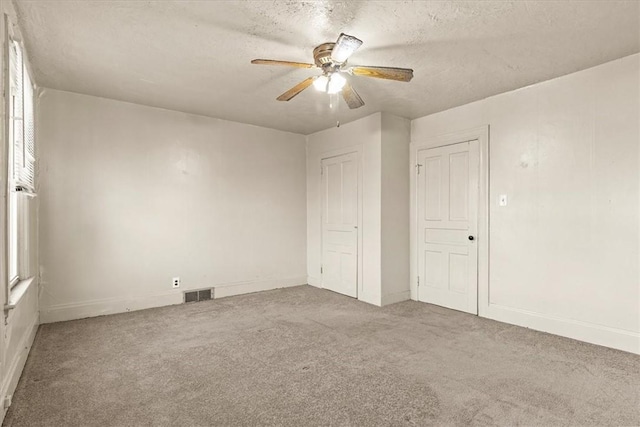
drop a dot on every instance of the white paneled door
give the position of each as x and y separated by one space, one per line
340 224
447 226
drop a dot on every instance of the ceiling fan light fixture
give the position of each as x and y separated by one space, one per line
336 83
321 83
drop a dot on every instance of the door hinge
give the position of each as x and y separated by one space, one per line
321 170
418 165
320 269
418 280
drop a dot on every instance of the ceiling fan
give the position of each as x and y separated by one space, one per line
332 58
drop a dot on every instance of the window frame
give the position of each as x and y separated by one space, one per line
18 189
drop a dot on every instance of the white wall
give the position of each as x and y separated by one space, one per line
132 196
382 143
396 136
564 254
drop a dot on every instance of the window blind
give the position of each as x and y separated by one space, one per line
28 170
22 115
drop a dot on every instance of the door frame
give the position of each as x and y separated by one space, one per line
357 150
482 135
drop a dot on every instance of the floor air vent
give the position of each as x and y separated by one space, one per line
201 295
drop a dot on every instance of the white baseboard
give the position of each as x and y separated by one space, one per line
83 309
369 299
394 298
582 331
314 281
93 308
232 289
372 299
17 365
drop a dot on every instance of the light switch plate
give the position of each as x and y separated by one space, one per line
503 200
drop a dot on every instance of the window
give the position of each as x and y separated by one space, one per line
22 165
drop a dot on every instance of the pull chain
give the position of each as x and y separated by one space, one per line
334 104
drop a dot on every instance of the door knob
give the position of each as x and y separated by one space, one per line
471 237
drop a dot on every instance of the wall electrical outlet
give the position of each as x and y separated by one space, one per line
176 282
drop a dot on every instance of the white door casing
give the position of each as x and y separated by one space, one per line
340 224
447 221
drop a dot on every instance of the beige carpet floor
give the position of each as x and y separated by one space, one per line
303 356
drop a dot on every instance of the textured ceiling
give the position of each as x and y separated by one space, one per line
193 56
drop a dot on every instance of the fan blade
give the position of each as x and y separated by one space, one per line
286 63
344 48
390 73
351 97
296 89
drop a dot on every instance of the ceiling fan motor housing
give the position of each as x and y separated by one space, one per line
322 54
